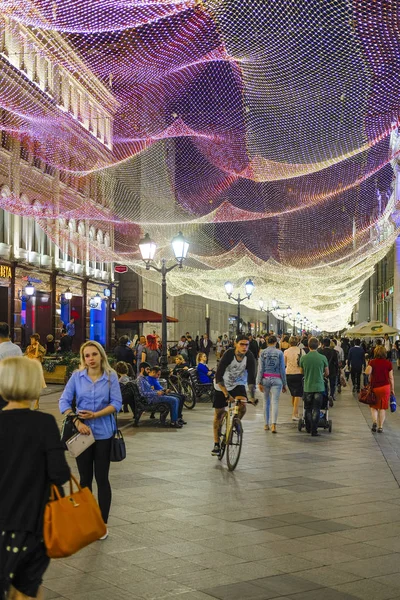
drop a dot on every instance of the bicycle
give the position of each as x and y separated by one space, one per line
180 383
231 432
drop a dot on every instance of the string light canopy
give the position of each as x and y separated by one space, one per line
265 132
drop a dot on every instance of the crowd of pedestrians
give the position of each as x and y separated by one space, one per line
310 369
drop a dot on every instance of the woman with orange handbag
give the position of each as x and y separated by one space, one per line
31 458
97 394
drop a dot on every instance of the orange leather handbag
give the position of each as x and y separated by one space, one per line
72 522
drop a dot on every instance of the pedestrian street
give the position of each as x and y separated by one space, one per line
301 518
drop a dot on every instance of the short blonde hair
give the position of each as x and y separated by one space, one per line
293 340
20 379
105 365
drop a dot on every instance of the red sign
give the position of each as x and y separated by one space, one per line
120 268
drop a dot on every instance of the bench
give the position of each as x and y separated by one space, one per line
138 404
200 390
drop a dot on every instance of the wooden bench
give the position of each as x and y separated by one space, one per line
139 404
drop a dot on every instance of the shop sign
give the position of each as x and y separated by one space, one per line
32 279
120 268
5 272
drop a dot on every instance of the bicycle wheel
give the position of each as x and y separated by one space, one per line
234 445
222 437
190 398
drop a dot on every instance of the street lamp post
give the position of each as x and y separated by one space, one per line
249 287
274 304
148 249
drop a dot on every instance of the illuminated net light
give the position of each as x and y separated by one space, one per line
263 130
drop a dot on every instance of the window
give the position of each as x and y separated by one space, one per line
46 74
36 162
70 99
24 150
60 90
49 169
35 74
22 64
91 118
3 39
79 106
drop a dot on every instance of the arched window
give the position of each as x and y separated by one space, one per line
107 240
92 233
99 237
27 224
5 192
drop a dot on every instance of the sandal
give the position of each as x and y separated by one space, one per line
380 429
374 427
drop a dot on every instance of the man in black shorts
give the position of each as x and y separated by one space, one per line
236 368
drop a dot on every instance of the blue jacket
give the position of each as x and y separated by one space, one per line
271 361
202 372
356 358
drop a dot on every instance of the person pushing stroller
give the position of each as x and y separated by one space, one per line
315 368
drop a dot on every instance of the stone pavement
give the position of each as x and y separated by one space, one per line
301 518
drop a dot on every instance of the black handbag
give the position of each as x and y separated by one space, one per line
68 428
118 448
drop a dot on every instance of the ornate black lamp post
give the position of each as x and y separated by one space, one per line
249 287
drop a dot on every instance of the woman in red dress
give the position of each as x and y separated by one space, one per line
380 371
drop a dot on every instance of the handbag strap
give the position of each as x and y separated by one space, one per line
114 414
55 492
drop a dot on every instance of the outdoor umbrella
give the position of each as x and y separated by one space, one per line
371 329
142 315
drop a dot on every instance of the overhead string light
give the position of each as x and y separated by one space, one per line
261 130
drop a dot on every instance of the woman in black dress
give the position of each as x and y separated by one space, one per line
31 458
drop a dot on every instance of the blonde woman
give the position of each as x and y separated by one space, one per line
204 373
31 458
294 374
96 390
36 352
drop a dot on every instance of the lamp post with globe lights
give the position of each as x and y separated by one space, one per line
249 287
147 247
274 304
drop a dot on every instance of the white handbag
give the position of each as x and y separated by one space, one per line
78 443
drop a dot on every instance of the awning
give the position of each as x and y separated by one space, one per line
142 315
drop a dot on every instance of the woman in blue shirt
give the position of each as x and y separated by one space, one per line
271 379
97 393
204 373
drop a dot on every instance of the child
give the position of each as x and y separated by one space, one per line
204 373
122 371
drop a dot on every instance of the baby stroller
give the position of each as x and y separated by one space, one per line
324 421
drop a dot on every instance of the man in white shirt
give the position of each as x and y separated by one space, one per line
388 346
7 349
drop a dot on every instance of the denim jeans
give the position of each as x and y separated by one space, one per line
272 391
312 405
174 402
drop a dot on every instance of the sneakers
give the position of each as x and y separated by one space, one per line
182 422
105 536
216 451
266 427
175 425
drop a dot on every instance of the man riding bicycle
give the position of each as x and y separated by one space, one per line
236 368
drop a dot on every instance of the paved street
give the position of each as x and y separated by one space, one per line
300 518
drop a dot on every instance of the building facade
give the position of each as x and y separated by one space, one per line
61 257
